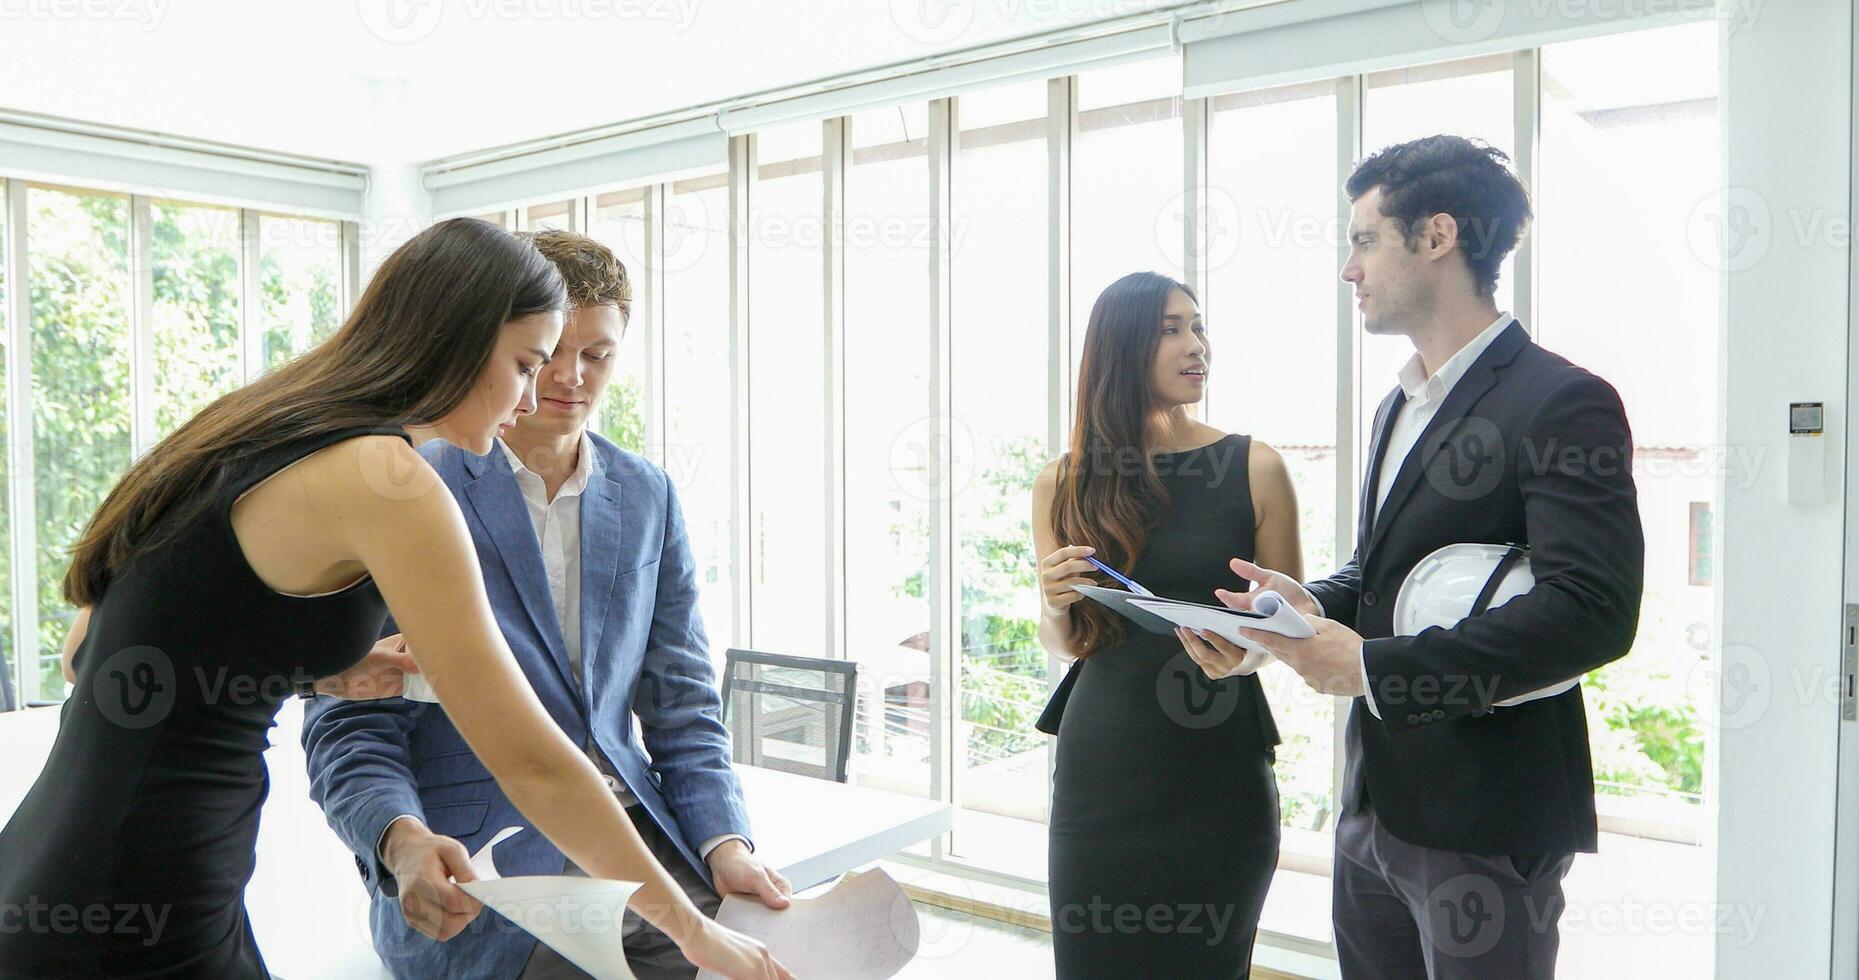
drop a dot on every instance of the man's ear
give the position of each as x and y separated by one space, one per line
1442 233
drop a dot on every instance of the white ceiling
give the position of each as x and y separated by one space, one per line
408 80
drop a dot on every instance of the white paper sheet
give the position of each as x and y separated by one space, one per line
415 688
863 929
1279 618
580 918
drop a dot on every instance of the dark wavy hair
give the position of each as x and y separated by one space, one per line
1108 494
1451 175
411 351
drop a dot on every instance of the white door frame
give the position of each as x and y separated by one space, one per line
1781 554
1845 881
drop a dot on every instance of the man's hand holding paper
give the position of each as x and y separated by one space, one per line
1329 661
1270 613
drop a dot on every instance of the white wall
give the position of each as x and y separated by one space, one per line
1787 78
397 207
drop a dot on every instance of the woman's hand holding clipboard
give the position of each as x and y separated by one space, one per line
1269 611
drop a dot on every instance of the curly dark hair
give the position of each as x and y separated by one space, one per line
1467 179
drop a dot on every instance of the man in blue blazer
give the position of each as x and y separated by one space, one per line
589 572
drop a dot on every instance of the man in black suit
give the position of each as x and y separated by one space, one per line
1460 814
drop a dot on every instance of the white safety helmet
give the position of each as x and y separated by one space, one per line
1462 580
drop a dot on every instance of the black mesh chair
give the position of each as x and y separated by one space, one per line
793 714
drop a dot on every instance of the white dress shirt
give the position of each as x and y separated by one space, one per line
558 530
1424 396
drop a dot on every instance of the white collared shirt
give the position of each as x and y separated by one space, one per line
1424 397
558 531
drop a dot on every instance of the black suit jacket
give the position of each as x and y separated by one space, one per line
1526 448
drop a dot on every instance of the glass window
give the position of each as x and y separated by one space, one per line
1273 212
1639 155
619 224
9 671
300 282
1126 182
697 406
558 216
1473 99
999 329
79 258
787 401
194 267
498 218
893 464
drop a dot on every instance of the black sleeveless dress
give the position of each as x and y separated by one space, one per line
143 824
1164 829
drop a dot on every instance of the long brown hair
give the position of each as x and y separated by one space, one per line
410 352
1108 494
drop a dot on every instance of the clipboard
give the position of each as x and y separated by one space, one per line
1156 614
1130 606
1121 601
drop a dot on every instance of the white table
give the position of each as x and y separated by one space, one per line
309 908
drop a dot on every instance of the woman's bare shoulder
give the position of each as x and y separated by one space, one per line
1046 484
1261 453
304 528
370 476
1267 473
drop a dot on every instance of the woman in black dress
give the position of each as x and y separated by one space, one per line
1164 829
198 618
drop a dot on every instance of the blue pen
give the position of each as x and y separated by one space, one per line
1113 573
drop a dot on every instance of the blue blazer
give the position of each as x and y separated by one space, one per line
644 651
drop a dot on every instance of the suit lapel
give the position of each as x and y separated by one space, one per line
1365 512
505 515
600 555
1480 378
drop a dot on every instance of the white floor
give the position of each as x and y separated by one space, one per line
959 945
1640 907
